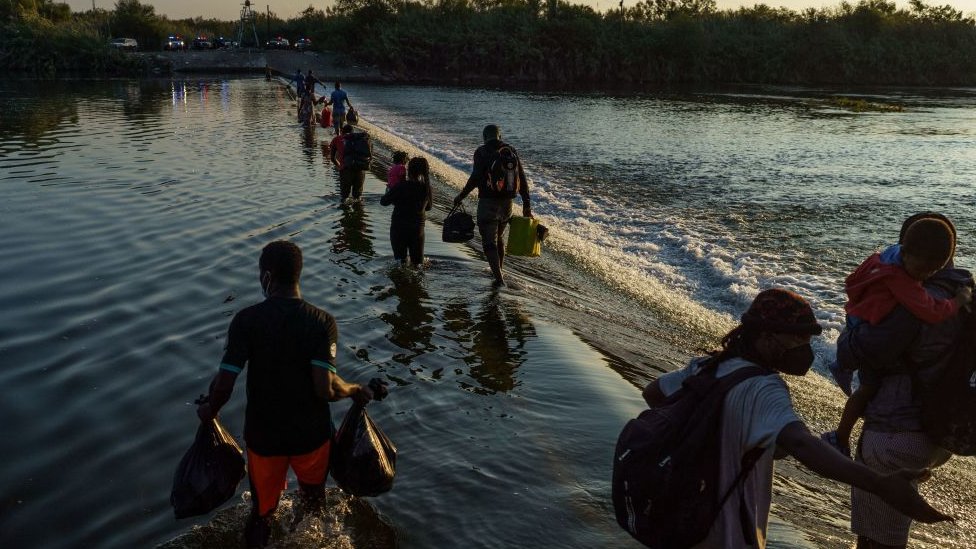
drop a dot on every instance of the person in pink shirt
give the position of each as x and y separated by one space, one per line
398 171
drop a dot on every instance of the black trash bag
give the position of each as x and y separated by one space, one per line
458 225
209 472
363 459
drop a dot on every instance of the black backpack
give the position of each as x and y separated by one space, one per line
503 172
949 403
666 464
458 225
358 152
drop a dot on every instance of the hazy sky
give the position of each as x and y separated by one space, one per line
231 9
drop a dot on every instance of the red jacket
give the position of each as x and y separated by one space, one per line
876 287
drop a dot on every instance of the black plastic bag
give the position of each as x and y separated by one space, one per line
209 472
363 460
458 225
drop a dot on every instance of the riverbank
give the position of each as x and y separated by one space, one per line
327 66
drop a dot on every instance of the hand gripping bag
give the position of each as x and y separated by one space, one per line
523 237
458 225
209 472
363 460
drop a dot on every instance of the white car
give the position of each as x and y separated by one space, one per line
124 44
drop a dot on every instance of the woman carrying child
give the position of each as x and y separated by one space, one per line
881 283
411 200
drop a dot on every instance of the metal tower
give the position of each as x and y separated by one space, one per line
248 19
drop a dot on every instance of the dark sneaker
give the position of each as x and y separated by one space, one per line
257 531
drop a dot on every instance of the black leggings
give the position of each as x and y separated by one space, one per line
408 238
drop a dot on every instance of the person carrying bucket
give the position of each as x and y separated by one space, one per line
498 175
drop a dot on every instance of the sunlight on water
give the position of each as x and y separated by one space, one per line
133 213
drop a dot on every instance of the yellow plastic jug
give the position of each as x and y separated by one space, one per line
523 238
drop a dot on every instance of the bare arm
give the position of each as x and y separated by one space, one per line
330 386
221 388
896 489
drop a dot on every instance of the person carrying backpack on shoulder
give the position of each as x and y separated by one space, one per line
498 175
351 153
756 419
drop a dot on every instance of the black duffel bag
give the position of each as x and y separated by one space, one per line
458 225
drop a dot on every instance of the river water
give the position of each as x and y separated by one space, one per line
133 214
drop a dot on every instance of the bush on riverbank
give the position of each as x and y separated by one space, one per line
547 42
657 41
42 38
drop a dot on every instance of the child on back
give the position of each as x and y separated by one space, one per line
881 283
398 171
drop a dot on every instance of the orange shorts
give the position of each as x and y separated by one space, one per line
267 474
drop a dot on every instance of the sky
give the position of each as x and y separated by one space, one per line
230 9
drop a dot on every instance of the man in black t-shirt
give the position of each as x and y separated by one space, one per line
289 348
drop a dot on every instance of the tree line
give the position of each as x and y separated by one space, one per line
553 42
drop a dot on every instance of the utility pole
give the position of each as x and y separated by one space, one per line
269 21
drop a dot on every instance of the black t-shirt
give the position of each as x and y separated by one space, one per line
281 340
411 200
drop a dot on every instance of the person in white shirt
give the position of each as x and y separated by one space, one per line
775 333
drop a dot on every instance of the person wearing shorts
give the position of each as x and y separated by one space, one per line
289 348
339 100
494 207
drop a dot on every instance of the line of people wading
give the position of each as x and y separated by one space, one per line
695 470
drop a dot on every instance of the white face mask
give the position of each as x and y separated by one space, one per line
266 284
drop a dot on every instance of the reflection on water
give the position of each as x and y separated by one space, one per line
309 144
410 323
493 341
353 234
500 332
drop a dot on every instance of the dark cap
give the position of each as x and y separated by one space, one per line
781 311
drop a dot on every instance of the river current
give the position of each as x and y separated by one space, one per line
133 214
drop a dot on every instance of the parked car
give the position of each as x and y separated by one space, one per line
174 43
303 44
124 44
221 42
278 43
202 43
